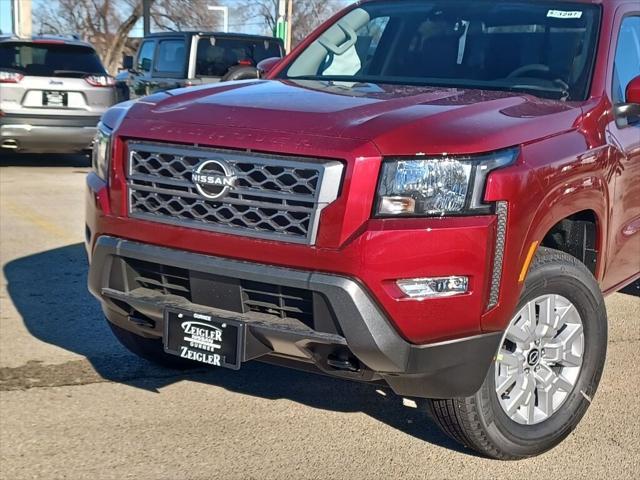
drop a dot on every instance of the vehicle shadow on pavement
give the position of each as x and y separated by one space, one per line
49 291
9 159
633 289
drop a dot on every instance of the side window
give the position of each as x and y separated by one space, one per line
145 56
369 38
358 57
216 56
171 57
627 61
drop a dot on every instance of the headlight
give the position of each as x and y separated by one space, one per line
101 155
437 186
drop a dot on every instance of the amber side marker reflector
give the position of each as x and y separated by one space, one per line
527 262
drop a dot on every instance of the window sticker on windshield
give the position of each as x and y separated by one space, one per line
563 14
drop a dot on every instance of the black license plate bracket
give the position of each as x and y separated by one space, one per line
204 338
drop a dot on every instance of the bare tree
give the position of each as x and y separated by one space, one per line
263 12
179 15
307 14
105 23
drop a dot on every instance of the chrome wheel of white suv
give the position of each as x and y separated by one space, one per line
540 359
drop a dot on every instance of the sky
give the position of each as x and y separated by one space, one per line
5 17
5 14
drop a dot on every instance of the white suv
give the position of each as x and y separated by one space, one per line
53 91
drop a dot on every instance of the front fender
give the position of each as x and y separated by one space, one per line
564 177
588 193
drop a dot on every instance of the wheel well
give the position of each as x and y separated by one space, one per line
577 236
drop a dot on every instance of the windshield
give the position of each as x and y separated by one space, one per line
546 49
49 60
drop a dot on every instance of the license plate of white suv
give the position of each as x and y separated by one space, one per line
203 338
54 99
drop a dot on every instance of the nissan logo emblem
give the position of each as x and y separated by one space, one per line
213 179
534 357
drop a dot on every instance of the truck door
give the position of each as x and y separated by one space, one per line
170 65
140 77
624 135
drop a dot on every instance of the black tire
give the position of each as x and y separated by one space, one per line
480 423
151 350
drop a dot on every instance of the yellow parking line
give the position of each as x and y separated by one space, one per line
34 218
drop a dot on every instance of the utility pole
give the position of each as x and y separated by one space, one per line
146 16
289 39
284 25
281 22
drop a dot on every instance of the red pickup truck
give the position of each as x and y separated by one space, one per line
431 195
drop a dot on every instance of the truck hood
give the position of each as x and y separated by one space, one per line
399 120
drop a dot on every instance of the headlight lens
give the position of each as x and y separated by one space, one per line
101 155
437 186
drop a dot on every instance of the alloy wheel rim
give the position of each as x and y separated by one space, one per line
540 359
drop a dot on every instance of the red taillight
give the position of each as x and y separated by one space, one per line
100 80
245 63
10 77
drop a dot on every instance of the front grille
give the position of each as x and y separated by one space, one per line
273 197
283 302
245 297
161 278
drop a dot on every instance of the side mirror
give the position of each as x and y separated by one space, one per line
633 91
268 64
629 112
127 62
146 65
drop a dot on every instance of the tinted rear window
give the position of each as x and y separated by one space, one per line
50 60
217 55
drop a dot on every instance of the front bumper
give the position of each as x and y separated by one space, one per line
47 133
357 328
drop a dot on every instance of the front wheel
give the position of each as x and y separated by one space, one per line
546 371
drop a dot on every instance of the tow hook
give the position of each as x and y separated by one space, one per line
345 364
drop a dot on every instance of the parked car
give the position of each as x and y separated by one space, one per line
430 194
53 91
178 59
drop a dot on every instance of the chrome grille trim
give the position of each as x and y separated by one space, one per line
278 198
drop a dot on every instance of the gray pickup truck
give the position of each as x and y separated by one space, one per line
180 59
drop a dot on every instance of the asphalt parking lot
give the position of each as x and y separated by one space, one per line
74 404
